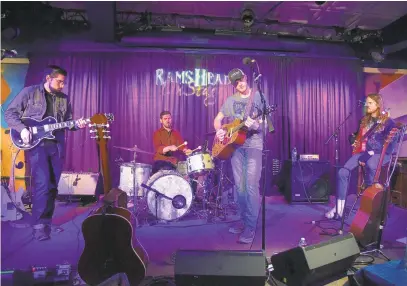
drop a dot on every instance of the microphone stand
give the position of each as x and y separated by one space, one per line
257 76
335 135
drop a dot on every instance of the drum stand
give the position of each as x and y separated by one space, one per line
221 186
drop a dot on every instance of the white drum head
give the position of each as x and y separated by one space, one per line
171 184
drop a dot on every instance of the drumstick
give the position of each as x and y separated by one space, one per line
198 148
185 143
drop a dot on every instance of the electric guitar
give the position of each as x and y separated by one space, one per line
40 130
110 244
236 134
12 207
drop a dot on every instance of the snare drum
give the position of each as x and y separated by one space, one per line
132 175
171 184
199 164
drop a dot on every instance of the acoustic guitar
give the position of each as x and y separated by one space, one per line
110 245
236 134
366 222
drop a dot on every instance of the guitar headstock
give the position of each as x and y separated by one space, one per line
100 126
269 109
391 135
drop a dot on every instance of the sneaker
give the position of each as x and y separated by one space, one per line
41 232
247 236
237 228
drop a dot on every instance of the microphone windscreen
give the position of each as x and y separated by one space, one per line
247 61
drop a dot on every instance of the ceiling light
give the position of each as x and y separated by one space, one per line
247 17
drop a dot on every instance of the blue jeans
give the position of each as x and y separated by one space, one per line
247 166
352 163
46 168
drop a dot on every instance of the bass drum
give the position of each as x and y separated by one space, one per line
172 185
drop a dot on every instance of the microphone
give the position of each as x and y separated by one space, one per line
9 53
248 61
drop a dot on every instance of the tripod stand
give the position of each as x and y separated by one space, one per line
336 216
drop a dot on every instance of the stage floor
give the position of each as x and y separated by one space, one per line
285 225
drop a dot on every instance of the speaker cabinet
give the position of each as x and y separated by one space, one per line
305 181
219 268
315 264
79 184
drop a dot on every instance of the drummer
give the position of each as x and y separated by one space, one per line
167 142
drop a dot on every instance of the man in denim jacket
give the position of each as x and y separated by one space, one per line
47 158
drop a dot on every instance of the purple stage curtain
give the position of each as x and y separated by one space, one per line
313 95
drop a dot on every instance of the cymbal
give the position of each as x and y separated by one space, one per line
134 149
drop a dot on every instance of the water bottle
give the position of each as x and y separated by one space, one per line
294 154
302 242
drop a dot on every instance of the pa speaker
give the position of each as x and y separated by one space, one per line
305 181
79 184
315 264
219 268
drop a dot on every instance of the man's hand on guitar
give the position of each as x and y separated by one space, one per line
25 135
251 123
221 134
81 123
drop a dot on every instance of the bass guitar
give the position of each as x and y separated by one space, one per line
236 134
366 222
40 130
110 245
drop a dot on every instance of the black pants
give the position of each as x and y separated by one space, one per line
46 168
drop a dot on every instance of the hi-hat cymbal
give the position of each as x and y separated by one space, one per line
134 149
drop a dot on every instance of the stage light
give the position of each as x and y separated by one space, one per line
377 54
248 17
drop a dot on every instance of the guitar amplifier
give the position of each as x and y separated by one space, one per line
305 181
80 184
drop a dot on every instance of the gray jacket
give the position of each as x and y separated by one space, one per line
31 102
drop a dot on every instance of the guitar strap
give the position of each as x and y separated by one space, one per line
249 104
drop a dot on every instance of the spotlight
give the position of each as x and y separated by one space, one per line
247 17
377 54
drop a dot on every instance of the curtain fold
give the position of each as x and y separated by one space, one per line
313 97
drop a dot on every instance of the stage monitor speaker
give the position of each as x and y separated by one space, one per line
79 184
305 181
315 264
219 268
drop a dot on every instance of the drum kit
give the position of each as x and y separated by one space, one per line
170 195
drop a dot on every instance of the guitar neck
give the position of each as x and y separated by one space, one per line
236 128
62 125
104 160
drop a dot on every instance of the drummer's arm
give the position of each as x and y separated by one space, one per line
158 146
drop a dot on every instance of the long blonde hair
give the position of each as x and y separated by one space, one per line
381 116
